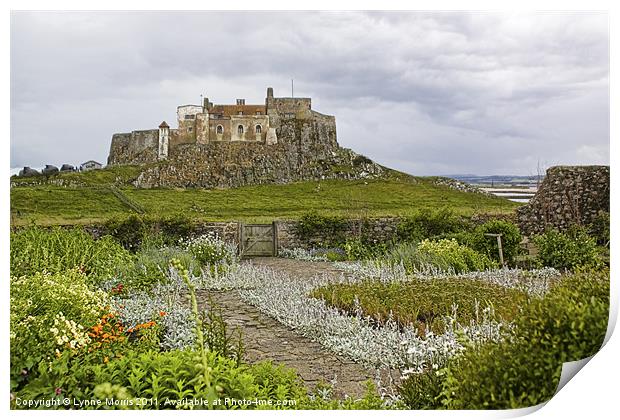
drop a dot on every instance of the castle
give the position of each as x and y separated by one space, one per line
283 140
206 123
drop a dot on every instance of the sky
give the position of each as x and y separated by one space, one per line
428 93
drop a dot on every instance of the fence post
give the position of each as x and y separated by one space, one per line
499 246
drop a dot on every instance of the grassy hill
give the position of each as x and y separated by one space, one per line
82 198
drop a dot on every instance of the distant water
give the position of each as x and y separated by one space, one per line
518 195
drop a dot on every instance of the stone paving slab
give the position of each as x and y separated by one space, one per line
265 338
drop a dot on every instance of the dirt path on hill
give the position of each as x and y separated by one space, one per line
266 339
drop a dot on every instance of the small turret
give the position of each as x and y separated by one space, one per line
164 136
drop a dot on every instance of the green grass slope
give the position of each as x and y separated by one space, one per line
85 198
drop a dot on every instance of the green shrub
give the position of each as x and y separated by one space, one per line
135 231
458 257
209 250
151 266
175 228
357 250
599 228
335 256
444 255
569 250
167 377
55 250
277 382
487 245
331 228
568 324
423 391
50 313
427 224
172 376
129 232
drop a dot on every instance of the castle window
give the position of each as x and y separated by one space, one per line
240 130
259 113
190 129
219 129
190 116
240 112
258 129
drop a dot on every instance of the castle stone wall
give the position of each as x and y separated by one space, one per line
568 195
306 149
294 143
134 148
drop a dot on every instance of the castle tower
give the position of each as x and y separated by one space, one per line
164 137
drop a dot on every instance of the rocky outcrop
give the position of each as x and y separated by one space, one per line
305 150
28 171
568 195
49 170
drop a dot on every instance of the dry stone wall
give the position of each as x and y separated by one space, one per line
379 229
568 195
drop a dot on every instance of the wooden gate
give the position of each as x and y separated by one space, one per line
258 240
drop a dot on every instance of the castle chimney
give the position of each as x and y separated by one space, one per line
270 92
240 101
205 104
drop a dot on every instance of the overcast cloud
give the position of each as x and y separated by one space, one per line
426 93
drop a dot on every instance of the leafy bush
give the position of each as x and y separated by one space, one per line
132 232
332 228
358 250
129 232
151 266
568 324
569 250
174 376
599 228
427 224
424 303
423 391
167 377
487 245
49 314
210 250
175 228
277 382
55 250
444 255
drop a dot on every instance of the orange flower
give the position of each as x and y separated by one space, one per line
162 313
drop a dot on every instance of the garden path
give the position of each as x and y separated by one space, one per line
265 338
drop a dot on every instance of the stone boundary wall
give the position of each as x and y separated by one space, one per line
382 229
568 195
